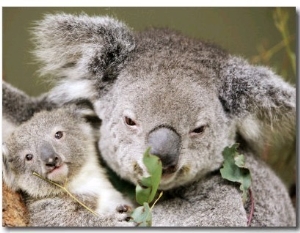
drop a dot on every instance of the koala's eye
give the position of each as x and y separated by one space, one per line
199 130
129 121
58 135
29 157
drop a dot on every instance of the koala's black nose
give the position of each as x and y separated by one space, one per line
49 156
165 143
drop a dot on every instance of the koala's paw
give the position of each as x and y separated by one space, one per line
124 209
123 216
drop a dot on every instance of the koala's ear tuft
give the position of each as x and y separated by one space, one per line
83 108
257 98
8 174
81 46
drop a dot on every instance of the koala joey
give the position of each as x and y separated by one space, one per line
185 98
59 145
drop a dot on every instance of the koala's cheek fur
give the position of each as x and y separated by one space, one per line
199 157
19 176
121 157
78 143
14 165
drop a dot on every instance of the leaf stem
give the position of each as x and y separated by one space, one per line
159 196
267 54
67 191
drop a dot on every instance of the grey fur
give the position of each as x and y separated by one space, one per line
26 107
70 52
163 79
78 170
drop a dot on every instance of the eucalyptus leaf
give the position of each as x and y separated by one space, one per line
142 194
147 187
142 215
154 167
146 181
234 169
146 190
239 160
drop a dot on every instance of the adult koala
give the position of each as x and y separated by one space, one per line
185 98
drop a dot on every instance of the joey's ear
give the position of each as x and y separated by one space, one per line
257 97
80 50
17 106
84 109
7 173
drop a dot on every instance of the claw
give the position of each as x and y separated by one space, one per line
124 208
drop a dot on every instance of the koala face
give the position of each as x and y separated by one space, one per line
157 110
53 144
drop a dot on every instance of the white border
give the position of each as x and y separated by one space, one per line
134 3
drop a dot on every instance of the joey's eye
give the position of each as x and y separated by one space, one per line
199 130
29 157
129 121
58 135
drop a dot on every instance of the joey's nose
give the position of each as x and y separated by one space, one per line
165 143
49 156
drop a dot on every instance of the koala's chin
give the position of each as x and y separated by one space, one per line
168 181
58 174
180 175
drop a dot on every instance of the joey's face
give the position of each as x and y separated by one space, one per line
45 145
180 119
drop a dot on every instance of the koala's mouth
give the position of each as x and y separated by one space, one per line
169 170
168 173
58 173
53 168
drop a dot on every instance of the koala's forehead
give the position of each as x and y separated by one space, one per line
40 125
173 88
164 50
168 65
20 140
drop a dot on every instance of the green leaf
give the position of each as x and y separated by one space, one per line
146 190
142 215
142 194
147 187
234 169
239 160
146 181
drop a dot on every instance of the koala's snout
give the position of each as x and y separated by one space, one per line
49 157
165 143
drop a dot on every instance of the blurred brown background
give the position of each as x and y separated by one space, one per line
263 35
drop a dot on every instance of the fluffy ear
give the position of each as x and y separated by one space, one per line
18 107
257 98
78 50
83 108
7 173
80 46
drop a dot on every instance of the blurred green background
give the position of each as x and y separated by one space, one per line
250 32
